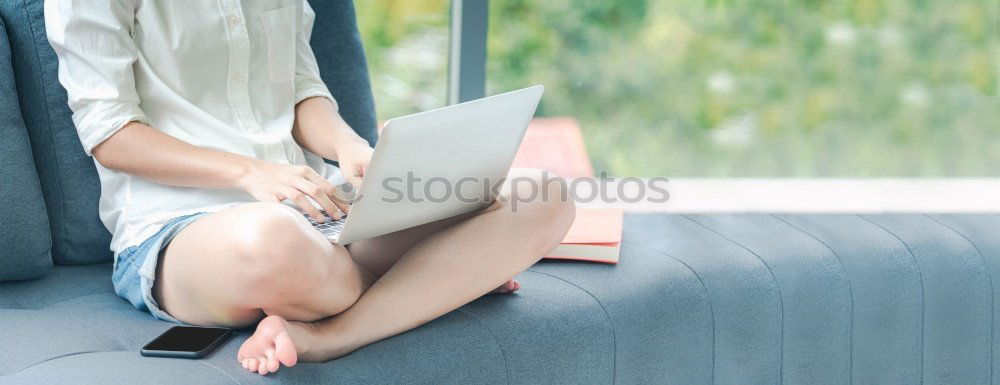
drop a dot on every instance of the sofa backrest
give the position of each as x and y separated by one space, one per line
341 57
24 226
68 177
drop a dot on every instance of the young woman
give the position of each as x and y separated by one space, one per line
208 122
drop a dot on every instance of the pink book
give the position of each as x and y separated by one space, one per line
555 144
595 236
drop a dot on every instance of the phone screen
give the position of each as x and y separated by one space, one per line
186 339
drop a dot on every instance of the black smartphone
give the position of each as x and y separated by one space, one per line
186 342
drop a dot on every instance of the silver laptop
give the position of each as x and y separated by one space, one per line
436 164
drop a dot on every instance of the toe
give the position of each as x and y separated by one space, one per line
285 350
508 287
269 347
262 366
272 362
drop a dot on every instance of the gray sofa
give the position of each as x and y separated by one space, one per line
701 299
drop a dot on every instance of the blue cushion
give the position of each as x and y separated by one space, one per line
68 176
24 227
341 57
696 299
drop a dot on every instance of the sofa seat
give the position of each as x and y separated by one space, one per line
696 299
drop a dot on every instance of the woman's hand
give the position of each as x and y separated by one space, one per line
354 158
275 182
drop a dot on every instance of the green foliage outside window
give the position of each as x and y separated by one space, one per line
749 88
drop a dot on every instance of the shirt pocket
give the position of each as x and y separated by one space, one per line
279 29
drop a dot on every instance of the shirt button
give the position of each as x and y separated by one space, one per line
234 20
238 79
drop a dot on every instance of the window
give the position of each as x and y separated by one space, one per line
406 42
763 88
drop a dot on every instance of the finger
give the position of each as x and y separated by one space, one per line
300 199
316 193
355 176
331 192
338 199
341 201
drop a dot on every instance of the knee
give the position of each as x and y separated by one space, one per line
542 194
543 200
273 248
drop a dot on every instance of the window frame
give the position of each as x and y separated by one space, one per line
467 50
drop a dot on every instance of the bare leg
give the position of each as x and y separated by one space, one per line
440 273
376 255
230 267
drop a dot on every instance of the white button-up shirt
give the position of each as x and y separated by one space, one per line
224 75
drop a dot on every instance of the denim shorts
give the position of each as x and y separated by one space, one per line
135 267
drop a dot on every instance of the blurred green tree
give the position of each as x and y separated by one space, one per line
748 88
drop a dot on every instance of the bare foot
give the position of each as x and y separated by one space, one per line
270 346
279 342
507 288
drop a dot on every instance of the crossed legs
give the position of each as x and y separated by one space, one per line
322 301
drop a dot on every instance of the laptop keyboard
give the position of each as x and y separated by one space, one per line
329 228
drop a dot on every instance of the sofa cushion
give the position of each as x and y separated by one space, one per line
341 58
696 299
79 331
24 227
68 176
